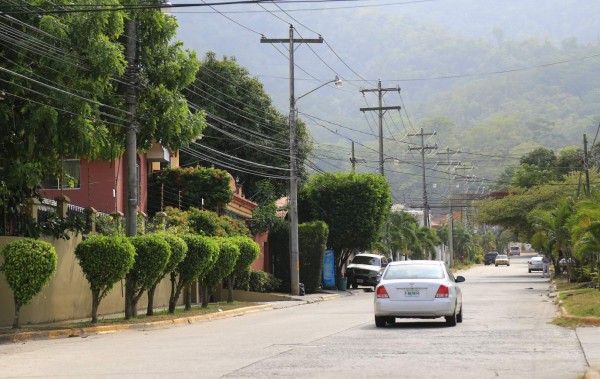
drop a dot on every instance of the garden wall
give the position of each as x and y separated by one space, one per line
68 295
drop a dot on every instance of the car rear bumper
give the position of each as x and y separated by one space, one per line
415 309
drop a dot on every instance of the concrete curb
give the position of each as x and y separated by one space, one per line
104 329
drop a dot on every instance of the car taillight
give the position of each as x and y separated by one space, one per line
442 292
382 293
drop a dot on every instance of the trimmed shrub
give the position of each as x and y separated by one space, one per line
241 280
104 261
202 253
249 251
178 251
228 256
312 238
260 281
28 266
151 258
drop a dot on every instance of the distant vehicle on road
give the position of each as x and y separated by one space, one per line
535 264
490 257
365 270
418 289
502 259
514 250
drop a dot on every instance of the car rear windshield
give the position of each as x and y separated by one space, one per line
414 271
364 260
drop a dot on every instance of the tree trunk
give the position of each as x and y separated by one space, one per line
150 308
128 299
230 284
174 295
173 300
187 294
204 291
17 309
95 304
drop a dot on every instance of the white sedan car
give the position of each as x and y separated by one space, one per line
535 264
418 289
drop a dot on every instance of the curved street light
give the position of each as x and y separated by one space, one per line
293 197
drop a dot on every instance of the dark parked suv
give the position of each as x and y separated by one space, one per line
365 270
490 258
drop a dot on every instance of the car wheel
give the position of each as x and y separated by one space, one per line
496 265
530 271
354 285
507 265
380 321
451 320
459 315
391 320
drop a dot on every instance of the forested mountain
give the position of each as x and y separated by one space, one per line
492 78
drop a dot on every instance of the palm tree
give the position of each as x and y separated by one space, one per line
427 242
552 227
585 230
400 233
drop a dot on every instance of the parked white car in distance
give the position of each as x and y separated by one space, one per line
535 264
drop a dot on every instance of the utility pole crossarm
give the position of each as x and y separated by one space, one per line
380 109
293 40
380 91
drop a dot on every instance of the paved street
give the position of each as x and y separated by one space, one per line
505 333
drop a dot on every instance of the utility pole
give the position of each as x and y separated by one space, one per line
353 160
586 166
380 91
131 139
423 148
451 217
293 198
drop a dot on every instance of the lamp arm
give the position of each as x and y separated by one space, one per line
313 90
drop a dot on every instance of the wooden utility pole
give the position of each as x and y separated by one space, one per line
423 148
293 198
451 217
353 160
586 166
381 109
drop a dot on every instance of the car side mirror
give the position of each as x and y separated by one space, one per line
460 279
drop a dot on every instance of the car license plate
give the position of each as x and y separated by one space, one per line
359 280
411 293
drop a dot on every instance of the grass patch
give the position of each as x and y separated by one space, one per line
140 319
582 302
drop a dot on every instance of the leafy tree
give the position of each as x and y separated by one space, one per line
427 240
264 216
28 266
527 176
202 253
71 104
191 187
178 252
104 261
223 267
354 206
541 157
249 252
236 102
152 255
569 159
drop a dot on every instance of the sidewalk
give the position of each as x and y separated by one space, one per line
589 339
57 332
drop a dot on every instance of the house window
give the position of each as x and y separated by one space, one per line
69 178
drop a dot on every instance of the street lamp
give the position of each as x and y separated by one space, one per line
293 199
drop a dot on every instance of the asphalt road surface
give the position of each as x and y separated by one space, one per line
505 334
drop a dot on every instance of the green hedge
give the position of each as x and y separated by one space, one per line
28 266
279 249
312 238
256 281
